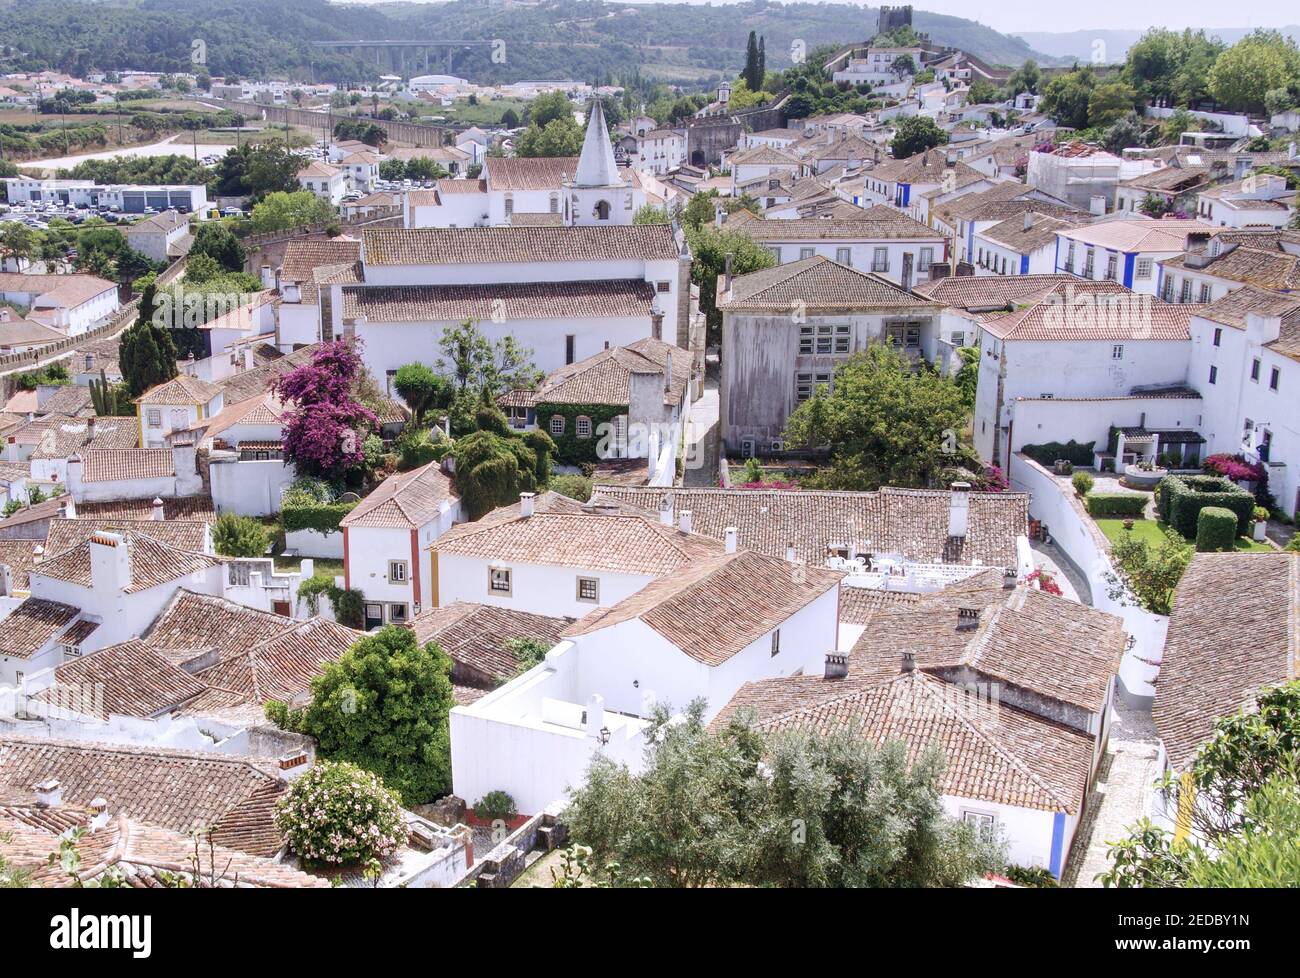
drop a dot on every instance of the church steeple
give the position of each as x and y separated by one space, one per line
596 165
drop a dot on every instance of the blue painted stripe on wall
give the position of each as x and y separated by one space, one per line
1058 843
1024 264
1056 258
907 194
1129 261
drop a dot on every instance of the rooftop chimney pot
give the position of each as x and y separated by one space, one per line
837 665
729 535
526 501
684 521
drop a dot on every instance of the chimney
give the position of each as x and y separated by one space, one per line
4 314
968 619
90 361
726 273
939 269
905 277
909 662
98 812
90 428
1029 220
668 373
38 554
110 563
837 665
276 278
1097 205
1009 578
248 358
958 509
292 764
791 554
183 462
156 510
657 325
593 717
684 521
729 538
49 793
666 511
268 278
526 500
11 448
63 509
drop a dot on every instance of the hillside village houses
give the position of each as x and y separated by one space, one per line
911 613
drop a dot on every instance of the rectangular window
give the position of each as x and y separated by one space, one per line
803 386
805 340
983 823
776 641
1088 258
1117 351
71 652
154 417
1069 258
1186 294
1205 293
776 253
824 343
925 260
1112 267
662 287
397 572
806 253
1218 336
397 614
589 589
843 339
388 381
499 580
1167 290
569 343
1274 378
880 260
844 256
1254 369
240 575
1214 375
1143 269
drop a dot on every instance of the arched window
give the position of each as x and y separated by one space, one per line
557 424
602 211
582 426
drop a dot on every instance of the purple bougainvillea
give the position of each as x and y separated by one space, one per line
325 426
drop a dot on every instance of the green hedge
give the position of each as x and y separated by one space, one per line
1116 504
1046 454
1183 497
1216 529
324 518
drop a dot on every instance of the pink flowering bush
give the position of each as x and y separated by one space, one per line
768 484
1233 467
1046 582
339 814
325 429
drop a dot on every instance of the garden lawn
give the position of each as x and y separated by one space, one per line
1153 533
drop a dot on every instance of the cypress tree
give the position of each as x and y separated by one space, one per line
762 64
751 61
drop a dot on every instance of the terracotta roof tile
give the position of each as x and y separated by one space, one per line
126 464
132 679
405 499
815 283
527 300
1234 629
444 246
27 628
475 636
151 563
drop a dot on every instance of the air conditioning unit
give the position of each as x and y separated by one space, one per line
778 445
747 447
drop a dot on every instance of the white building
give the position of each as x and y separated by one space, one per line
72 304
1126 251
1261 201
1024 245
1084 176
180 404
1244 353
660 150
106 474
127 198
880 240
160 238
664 643
327 182
387 540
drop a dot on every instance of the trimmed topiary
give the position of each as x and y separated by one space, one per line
1116 504
1183 497
1082 483
1216 529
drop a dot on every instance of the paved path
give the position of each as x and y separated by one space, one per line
704 428
1048 557
1119 798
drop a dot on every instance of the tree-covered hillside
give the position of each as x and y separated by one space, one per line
584 39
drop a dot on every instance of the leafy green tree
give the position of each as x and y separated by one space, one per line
239 536
650 214
1244 74
710 247
1150 573
1238 798
1111 102
219 243
494 464
280 211
887 423
559 137
548 107
421 388
1026 78
716 808
753 70
1123 133
915 134
383 706
482 368
1066 98
147 355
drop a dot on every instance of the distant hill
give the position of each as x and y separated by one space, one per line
1078 45
587 40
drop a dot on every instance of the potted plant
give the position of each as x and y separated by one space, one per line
1261 524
